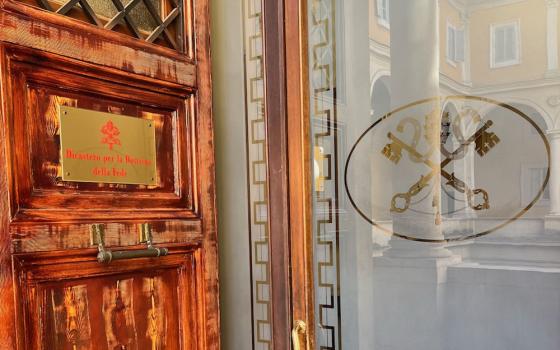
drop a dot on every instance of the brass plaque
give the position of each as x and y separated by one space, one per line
106 148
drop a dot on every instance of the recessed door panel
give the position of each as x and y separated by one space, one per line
40 88
98 308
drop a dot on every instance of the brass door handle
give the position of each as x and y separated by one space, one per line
298 332
106 255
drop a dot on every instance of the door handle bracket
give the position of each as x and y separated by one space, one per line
106 256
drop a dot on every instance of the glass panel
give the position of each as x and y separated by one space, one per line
104 8
500 44
436 202
142 18
155 21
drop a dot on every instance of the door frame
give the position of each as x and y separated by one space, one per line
289 156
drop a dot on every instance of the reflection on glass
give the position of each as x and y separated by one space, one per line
104 8
139 13
436 140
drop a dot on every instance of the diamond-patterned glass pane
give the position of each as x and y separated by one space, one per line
155 21
141 17
103 8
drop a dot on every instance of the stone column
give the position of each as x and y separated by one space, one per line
552 220
414 50
414 77
409 280
552 37
554 185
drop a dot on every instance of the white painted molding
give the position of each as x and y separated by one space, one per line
553 134
379 48
518 85
553 101
382 73
552 3
475 5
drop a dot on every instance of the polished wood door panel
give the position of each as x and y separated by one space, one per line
37 87
53 292
130 305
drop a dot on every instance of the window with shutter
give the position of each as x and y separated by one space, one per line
505 45
450 43
455 44
383 12
460 45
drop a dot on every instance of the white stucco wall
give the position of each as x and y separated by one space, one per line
231 173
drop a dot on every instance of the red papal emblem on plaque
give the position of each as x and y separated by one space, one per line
111 135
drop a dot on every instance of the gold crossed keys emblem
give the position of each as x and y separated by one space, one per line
447 161
482 139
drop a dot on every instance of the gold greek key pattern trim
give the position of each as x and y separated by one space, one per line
325 199
258 175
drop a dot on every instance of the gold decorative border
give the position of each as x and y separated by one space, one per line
326 199
257 175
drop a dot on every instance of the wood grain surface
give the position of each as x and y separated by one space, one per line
53 292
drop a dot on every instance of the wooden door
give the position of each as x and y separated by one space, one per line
147 59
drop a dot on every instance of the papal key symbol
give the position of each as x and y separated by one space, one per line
484 141
393 152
